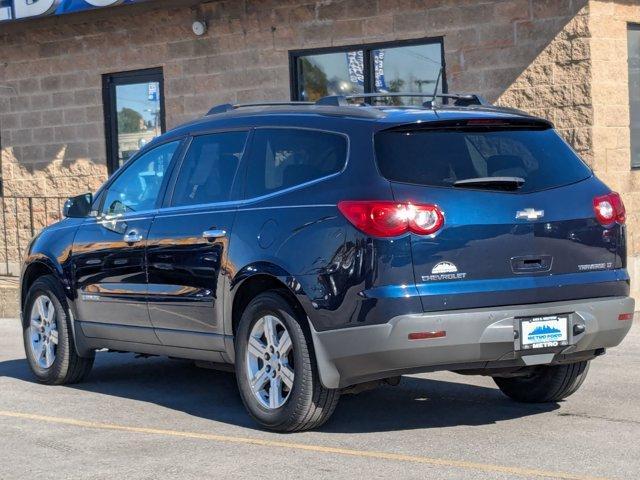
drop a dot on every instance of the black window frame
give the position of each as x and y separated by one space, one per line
109 83
367 48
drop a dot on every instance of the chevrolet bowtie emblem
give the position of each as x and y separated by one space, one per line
529 214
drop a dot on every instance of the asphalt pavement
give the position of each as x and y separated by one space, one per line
156 418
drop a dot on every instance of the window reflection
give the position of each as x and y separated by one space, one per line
138 117
412 69
330 74
406 68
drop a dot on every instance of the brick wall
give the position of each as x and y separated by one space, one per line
532 54
50 77
610 96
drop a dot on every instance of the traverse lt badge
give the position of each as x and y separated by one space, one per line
444 271
529 214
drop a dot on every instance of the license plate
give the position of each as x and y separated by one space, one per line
544 332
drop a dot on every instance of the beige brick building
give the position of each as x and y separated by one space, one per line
571 61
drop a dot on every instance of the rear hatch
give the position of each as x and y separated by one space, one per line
519 215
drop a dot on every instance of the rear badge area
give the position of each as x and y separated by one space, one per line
595 266
444 271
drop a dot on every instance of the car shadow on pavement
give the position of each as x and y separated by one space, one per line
179 385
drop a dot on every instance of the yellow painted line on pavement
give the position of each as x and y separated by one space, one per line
398 457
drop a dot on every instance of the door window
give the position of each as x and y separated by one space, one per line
209 168
134 112
137 188
283 158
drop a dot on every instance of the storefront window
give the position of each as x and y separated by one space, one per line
408 69
134 113
390 67
633 45
329 74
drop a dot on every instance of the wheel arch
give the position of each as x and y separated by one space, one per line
34 270
257 278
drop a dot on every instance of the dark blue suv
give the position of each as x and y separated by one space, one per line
330 247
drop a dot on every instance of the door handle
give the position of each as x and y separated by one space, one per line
132 236
213 234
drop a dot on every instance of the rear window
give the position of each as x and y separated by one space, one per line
441 157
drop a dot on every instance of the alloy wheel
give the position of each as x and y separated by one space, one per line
269 359
43 331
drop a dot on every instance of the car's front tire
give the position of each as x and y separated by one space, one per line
545 384
276 370
48 336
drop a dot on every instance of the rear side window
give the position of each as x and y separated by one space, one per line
283 157
441 157
208 169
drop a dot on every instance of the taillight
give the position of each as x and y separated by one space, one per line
609 209
390 219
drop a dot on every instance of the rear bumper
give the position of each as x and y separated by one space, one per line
475 339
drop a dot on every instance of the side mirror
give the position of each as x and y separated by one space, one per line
78 207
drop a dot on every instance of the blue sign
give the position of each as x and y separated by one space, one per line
21 9
355 64
152 91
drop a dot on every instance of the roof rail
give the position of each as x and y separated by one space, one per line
225 107
460 99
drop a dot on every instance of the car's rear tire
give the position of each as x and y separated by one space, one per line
545 384
48 336
275 355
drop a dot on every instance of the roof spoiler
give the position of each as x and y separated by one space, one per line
484 122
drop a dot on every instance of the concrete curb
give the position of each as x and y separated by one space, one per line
9 305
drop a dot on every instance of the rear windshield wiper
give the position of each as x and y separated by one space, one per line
497 183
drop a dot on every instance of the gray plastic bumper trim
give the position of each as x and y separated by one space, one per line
476 338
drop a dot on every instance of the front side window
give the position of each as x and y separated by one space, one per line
284 158
413 67
440 158
137 188
209 169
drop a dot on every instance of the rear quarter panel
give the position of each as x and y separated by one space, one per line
301 237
